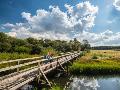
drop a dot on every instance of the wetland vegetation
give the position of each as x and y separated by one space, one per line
97 62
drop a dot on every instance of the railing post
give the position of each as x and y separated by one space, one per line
38 72
57 63
18 62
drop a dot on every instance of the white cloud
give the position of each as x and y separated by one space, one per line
8 25
75 22
110 21
116 4
105 38
56 24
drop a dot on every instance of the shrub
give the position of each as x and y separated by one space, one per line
56 88
22 49
36 49
94 56
82 54
49 49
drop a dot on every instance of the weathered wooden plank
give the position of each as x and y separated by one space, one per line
33 72
3 62
21 65
20 75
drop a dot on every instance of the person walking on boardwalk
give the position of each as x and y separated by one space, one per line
49 57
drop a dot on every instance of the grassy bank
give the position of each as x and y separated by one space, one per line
93 64
12 56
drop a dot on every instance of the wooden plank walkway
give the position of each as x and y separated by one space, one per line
19 78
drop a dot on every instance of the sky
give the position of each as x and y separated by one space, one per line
97 21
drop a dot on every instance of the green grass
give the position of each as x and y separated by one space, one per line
56 88
97 62
96 67
12 56
94 56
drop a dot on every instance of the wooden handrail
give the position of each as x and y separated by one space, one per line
3 62
15 80
28 63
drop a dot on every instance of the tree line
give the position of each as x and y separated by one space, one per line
106 48
34 46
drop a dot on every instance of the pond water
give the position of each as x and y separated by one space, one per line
95 83
87 83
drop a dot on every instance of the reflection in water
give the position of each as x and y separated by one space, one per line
84 84
27 87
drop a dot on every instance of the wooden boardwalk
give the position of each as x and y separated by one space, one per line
26 70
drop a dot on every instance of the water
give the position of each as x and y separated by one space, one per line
94 83
87 83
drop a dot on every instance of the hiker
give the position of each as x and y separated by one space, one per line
48 57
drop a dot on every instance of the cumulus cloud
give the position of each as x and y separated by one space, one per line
104 38
75 22
55 23
116 4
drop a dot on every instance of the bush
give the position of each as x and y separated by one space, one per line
36 49
5 47
94 56
22 49
82 54
49 49
56 88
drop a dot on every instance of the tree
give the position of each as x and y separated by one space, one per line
22 49
5 47
85 45
35 46
36 49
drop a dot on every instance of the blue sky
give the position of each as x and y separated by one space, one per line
12 9
17 16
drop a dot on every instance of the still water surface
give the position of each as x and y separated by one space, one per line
86 83
95 83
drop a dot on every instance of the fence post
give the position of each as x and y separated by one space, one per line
18 62
38 71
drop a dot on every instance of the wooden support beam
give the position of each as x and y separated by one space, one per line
43 74
60 65
18 62
25 76
70 62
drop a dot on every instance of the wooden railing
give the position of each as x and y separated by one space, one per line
18 65
27 74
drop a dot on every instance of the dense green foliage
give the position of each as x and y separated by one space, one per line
34 46
56 88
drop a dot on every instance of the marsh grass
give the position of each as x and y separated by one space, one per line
12 56
92 64
56 88
96 67
94 56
